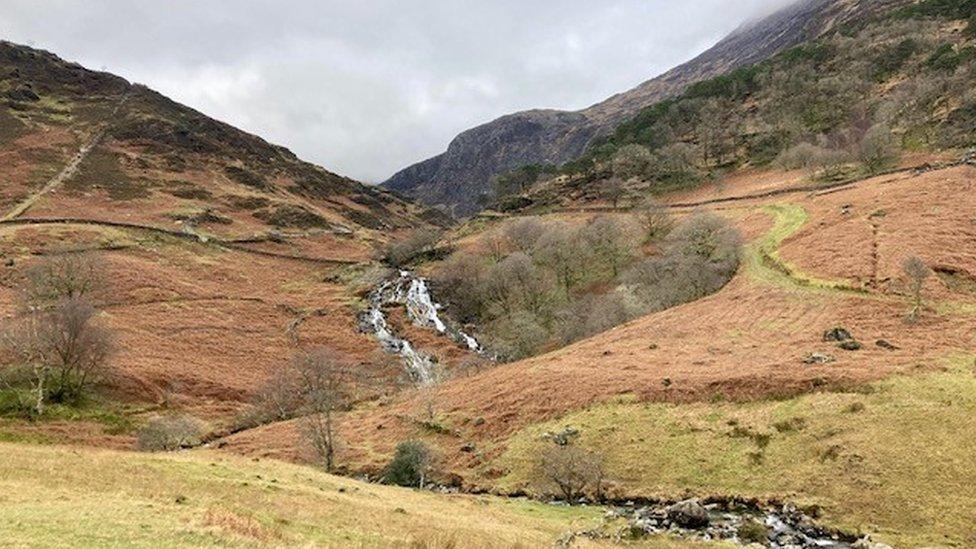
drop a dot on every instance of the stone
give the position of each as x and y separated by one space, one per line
850 345
886 345
564 437
689 514
468 448
837 334
818 358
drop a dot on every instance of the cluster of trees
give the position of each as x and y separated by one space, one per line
56 345
533 285
846 104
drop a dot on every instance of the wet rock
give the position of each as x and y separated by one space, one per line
886 345
837 335
850 345
689 514
818 358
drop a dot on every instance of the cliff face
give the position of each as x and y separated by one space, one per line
459 176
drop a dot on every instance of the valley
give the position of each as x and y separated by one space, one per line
207 341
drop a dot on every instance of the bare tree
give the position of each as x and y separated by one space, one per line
57 337
917 272
573 471
524 233
610 241
878 149
404 250
632 162
560 249
325 384
614 190
654 219
62 277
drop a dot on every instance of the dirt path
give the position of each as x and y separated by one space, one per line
70 170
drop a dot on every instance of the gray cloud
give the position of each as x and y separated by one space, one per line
365 88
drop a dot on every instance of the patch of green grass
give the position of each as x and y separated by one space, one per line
763 262
896 459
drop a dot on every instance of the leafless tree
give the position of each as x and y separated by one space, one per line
917 272
56 337
572 470
632 162
324 380
561 250
878 149
614 190
524 233
654 219
62 277
404 250
610 241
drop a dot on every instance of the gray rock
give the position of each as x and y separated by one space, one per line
837 334
818 358
688 514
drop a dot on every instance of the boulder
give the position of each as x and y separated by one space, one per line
689 514
837 334
850 345
886 345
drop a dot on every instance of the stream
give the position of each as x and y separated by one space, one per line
413 293
782 526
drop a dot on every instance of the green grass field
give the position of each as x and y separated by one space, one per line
74 497
897 459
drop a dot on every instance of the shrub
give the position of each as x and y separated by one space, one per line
753 531
169 433
518 335
411 465
572 471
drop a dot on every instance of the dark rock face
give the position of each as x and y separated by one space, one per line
460 176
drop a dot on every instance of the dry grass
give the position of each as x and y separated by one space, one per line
57 497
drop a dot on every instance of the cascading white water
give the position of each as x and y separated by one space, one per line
414 294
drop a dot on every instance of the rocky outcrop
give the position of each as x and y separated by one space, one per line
459 177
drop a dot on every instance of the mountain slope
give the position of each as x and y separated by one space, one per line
128 147
220 252
460 176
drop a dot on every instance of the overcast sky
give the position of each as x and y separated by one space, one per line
366 87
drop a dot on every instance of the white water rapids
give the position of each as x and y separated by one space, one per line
413 293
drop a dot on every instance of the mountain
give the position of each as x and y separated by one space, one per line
122 146
460 176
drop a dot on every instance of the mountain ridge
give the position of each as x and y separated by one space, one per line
459 177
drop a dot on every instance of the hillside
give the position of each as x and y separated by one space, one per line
220 252
460 177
